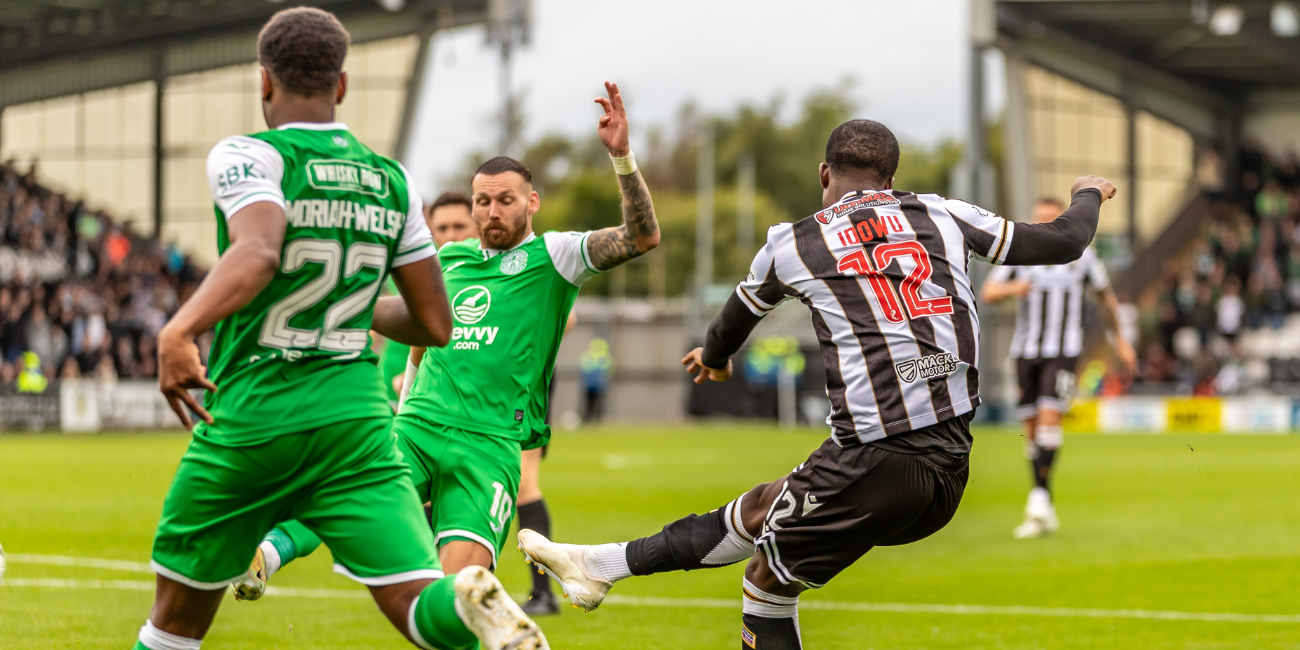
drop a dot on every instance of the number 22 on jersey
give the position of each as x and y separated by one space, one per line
873 264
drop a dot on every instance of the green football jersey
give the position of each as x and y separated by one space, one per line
509 310
298 356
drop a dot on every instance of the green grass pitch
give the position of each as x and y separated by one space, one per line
1200 524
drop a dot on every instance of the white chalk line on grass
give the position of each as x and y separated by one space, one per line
650 601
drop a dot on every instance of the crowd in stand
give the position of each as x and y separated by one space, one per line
80 294
1243 274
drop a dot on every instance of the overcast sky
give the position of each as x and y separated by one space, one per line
909 58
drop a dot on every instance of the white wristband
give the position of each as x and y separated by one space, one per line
625 166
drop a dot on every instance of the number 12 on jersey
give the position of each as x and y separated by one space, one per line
873 264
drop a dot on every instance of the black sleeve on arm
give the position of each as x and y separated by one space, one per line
1060 241
728 332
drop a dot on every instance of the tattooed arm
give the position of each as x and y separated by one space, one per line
639 233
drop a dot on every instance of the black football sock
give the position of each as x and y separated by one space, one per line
716 538
1043 467
535 516
1048 439
769 622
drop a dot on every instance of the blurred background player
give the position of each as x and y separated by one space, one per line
300 423
1047 344
901 378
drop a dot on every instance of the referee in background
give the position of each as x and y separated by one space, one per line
1047 344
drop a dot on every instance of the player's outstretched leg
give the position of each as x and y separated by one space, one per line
285 543
586 573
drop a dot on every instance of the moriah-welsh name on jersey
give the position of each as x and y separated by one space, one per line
934 365
320 213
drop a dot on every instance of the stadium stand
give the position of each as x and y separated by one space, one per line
80 293
1223 317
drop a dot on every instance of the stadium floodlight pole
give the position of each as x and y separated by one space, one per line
745 206
704 173
509 23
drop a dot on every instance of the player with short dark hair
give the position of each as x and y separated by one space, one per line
1047 345
474 405
883 272
309 221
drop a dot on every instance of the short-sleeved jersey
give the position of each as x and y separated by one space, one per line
1049 319
509 309
885 276
298 356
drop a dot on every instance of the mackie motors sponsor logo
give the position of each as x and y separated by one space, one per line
935 365
873 200
471 304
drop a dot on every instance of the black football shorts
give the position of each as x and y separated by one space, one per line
1046 384
845 500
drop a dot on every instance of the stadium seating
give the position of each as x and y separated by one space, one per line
80 293
1224 316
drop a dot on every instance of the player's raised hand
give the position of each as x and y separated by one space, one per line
1106 187
613 124
694 363
179 370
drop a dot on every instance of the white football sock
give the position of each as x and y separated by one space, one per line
271 556
609 561
737 545
156 639
757 602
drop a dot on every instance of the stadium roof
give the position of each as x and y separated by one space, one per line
1175 37
51 48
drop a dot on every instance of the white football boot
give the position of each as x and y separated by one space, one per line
492 615
2 564
569 565
1040 516
252 585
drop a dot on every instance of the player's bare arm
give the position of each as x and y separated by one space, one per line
1123 348
995 291
256 235
1064 239
421 315
639 233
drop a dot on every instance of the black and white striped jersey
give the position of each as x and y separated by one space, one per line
885 276
1049 319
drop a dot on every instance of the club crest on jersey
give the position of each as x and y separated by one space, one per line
873 200
471 304
935 365
514 261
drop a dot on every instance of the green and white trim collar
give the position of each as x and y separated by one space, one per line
489 253
313 126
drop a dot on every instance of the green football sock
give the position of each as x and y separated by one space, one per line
437 621
292 540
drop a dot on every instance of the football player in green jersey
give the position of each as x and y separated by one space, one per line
295 423
474 404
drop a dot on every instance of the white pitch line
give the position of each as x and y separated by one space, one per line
89 562
650 601
996 610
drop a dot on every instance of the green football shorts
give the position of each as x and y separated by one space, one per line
470 479
345 482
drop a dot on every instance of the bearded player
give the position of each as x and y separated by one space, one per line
884 274
476 403
309 221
